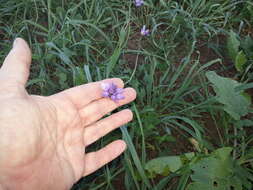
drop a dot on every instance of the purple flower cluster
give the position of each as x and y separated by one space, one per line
111 91
144 31
139 3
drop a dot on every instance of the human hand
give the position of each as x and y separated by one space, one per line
43 139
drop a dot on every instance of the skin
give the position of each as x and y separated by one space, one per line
43 139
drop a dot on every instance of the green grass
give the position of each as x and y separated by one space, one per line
75 42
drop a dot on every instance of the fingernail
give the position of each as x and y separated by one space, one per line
15 42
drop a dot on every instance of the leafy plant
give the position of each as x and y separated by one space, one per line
218 171
167 164
235 102
240 51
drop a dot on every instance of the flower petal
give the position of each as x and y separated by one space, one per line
105 86
119 90
120 97
105 94
113 97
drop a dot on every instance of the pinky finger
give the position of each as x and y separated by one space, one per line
96 160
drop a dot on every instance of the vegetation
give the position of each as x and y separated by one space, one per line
193 75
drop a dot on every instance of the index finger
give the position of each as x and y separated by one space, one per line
86 93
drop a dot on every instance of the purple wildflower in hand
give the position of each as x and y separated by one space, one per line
111 91
144 31
139 3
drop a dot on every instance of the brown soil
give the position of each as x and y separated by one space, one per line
131 58
226 68
181 145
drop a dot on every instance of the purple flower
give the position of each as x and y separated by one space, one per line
139 3
110 90
144 31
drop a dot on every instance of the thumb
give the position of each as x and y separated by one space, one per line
16 66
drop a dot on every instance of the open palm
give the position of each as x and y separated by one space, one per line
43 139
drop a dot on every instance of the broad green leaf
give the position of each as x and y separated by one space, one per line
240 61
233 45
189 155
236 183
216 172
163 165
223 153
218 184
198 186
215 185
209 169
235 103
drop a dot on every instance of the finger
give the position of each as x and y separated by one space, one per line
97 109
96 160
103 127
16 66
84 94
